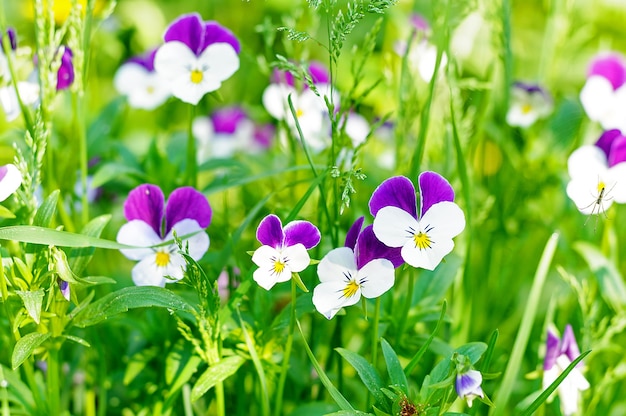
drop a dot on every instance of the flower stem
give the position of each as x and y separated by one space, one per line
285 366
375 325
192 166
407 305
53 380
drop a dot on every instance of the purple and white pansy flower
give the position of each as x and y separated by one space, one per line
529 102
197 57
559 355
604 94
151 222
284 249
363 267
598 174
140 83
426 238
223 133
10 180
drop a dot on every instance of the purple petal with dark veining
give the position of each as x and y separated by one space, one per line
397 191
618 151
187 203
605 142
369 248
216 33
569 346
319 73
270 231
225 120
552 350
146 60
353 233
65 75
302 232
610 66
434 188
188 29
145 203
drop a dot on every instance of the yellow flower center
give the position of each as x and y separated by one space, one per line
350 289
162 259
196 76
527 108
279 266
601 187
422 240
150 89
299 112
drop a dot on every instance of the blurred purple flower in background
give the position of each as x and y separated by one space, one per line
529 102
144 87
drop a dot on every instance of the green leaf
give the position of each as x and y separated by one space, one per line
418 355
138 362
47 210
112 171
33 300
129 298
6 213
80 257
216 373
369 375
394 368
25 347
47 236
609 278
181 363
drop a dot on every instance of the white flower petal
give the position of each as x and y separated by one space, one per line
266 275
128 76
376 278
198 242
221 59
587 161
175 269
392 226
445 219
336 264
328 297
275 100
10 105
147 273
296 257
10 182
597 97
617 176
140 234
174 58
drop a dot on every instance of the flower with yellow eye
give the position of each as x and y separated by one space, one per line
196 57
187 213
529 102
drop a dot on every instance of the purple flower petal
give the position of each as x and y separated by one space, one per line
270 232
263 135
3 172
215 33
552 350
397 191
606 140
434 188
225 120
319 73
282 77
369 248
187 203
65 75
419 22
12 38
64 287
353 233
188 29
145 203
618 151
302 232
610 66
146 61
569 346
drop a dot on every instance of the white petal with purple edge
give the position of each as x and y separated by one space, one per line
328 297
198 240
296 258
392 226
10 182
376 278
137 233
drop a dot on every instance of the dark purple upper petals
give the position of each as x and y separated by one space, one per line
353 233
552 350
434 188
187 203
529 88
397 191
146 60
145 203
216 33
569 346
369 248
606 140
65 75
617 154
282 77
188 29
270 231
302 232
3 171
610 66
319 73
225 120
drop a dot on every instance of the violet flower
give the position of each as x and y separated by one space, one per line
284 250
197 57
145 88
427 238
604 94
468 386
10 180
65 74
364 267
187 213
223 133
529 103
559 355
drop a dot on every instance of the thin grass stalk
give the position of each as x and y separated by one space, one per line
408 369
287 355
265 400
192 164
374 340
53 388
521 340
408 302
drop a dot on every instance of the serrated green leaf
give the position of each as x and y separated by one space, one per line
25 347
33 300
216 373
368 374
394 368
129 298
